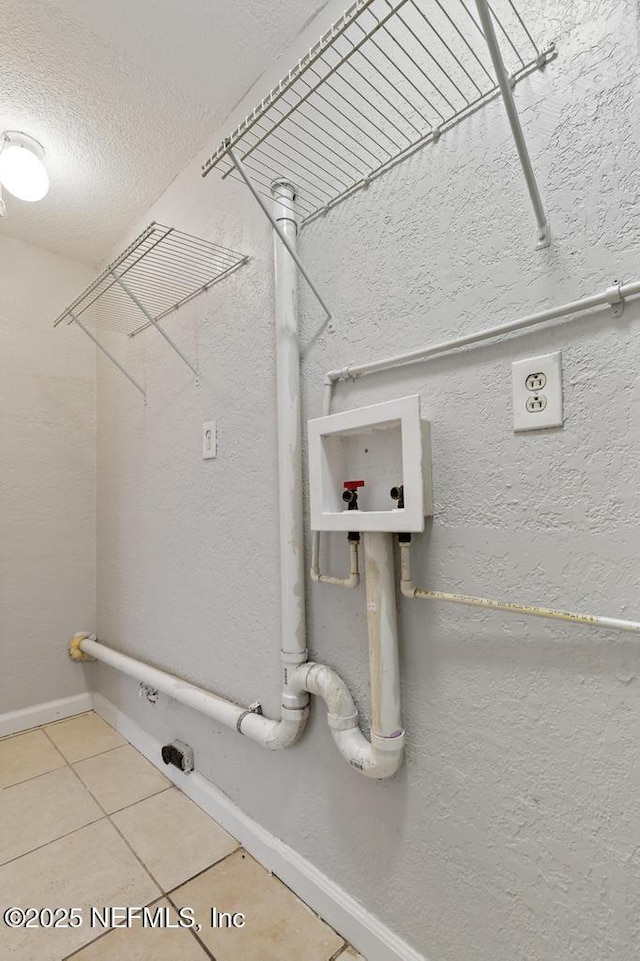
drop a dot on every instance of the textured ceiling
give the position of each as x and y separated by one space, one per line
122 95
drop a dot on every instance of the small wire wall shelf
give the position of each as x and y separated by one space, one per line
160 271
388 77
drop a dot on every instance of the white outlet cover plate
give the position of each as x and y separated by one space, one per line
549 395
209 440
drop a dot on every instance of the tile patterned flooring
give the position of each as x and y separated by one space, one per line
86 821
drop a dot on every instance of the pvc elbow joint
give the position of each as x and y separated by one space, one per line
379 758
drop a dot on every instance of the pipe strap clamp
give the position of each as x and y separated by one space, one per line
255 708
615 298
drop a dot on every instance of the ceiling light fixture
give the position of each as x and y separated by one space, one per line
22 171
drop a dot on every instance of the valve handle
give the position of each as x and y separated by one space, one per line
353 485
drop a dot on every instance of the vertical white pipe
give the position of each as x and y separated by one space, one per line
292 585
382 622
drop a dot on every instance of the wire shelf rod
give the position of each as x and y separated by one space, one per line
320 149
459 32
327 133
162 269
313 175
108 353
398 91
286 172
516 13
189 297
445 44
504 33
278 229
437 87
431 57
333 107
420 93
379 92
370 103
143 310
312 89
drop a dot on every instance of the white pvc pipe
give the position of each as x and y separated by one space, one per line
353 578
382 756
292 584
409 589
612 295
382 623
378 758
268 733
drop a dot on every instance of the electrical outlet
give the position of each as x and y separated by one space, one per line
537 392
209 440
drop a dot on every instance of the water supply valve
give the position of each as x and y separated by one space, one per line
350 493
397 495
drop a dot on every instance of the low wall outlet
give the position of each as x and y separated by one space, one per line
209 440
537 392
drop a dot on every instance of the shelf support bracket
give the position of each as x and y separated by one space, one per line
107 353
242 170
153 321
486 20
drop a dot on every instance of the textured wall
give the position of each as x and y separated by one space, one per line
47 477
512 831
121 95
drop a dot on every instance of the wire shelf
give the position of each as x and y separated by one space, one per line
388 77
161 270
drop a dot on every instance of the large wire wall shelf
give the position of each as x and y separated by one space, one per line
160 271
387 78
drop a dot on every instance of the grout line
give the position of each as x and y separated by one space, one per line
140 800
78 760
338 954
46 844
34 777
104 934
118 831
214 864
193 932
44 727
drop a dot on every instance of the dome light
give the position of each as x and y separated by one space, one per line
22 171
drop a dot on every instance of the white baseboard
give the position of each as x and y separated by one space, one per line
338 908
15 721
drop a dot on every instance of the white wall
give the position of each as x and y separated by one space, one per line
512 831
47 477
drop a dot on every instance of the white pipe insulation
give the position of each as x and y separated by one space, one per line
382 755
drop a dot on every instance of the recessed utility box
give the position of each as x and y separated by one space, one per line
382 454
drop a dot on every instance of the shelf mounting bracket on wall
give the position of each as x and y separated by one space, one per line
159 272
506 89
153 321
387 78
242 170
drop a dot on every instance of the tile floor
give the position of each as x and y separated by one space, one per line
86 821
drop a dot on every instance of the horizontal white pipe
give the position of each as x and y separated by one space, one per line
270 734
379 759
591 620
613 295
353 578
